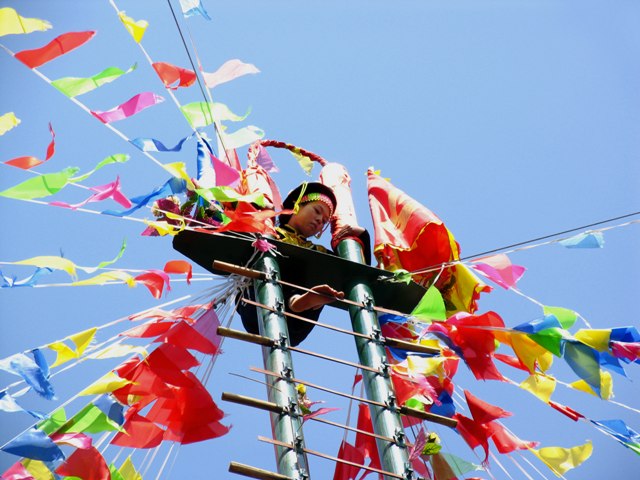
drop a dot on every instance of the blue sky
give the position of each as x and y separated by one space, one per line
510 121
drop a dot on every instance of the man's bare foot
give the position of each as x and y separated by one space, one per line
319 296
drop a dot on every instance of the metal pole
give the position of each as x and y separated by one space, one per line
386 421
286 428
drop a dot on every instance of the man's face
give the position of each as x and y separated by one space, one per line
310 219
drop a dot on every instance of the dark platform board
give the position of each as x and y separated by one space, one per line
301 266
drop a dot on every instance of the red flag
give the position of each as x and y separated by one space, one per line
568 411
152 329
409 236
170 74
25 163
155 281
367 443
140 432
87 464
512 361
246 218
184 335
482 411
197 433
54 49
190 415
506 442
348 453
477 344
473 433
181 358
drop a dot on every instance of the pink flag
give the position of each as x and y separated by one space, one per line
499 269
129 108
110 190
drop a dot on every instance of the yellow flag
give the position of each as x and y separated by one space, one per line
105 277
12 23
424 365
64 353
561 460
136 29
37 469
8 121
606 386
541 385
83 339
529 352
106 384
128 471
598 339
305 162
179 170
55 263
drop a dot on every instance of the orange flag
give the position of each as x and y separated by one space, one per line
409 236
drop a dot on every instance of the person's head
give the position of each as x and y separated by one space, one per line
316 205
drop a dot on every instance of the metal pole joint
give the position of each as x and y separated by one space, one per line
384 368
367 303
376 336
390 402
408 471
399 438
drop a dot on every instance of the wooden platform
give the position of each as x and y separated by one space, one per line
301 266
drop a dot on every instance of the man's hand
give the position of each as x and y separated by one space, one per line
320 295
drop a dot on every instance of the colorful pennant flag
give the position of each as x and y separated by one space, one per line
499 269
584 240
171 187
139 432
193 7
135 28
85 463
230 70
561 460
174 77
8 121
35 375
153 145
65 353
621 432
431 306
243 136
134 105
26 163
103 192
202 114
106 384
34 444
89 420
411 237
55 48
12 23
41 186
76 86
